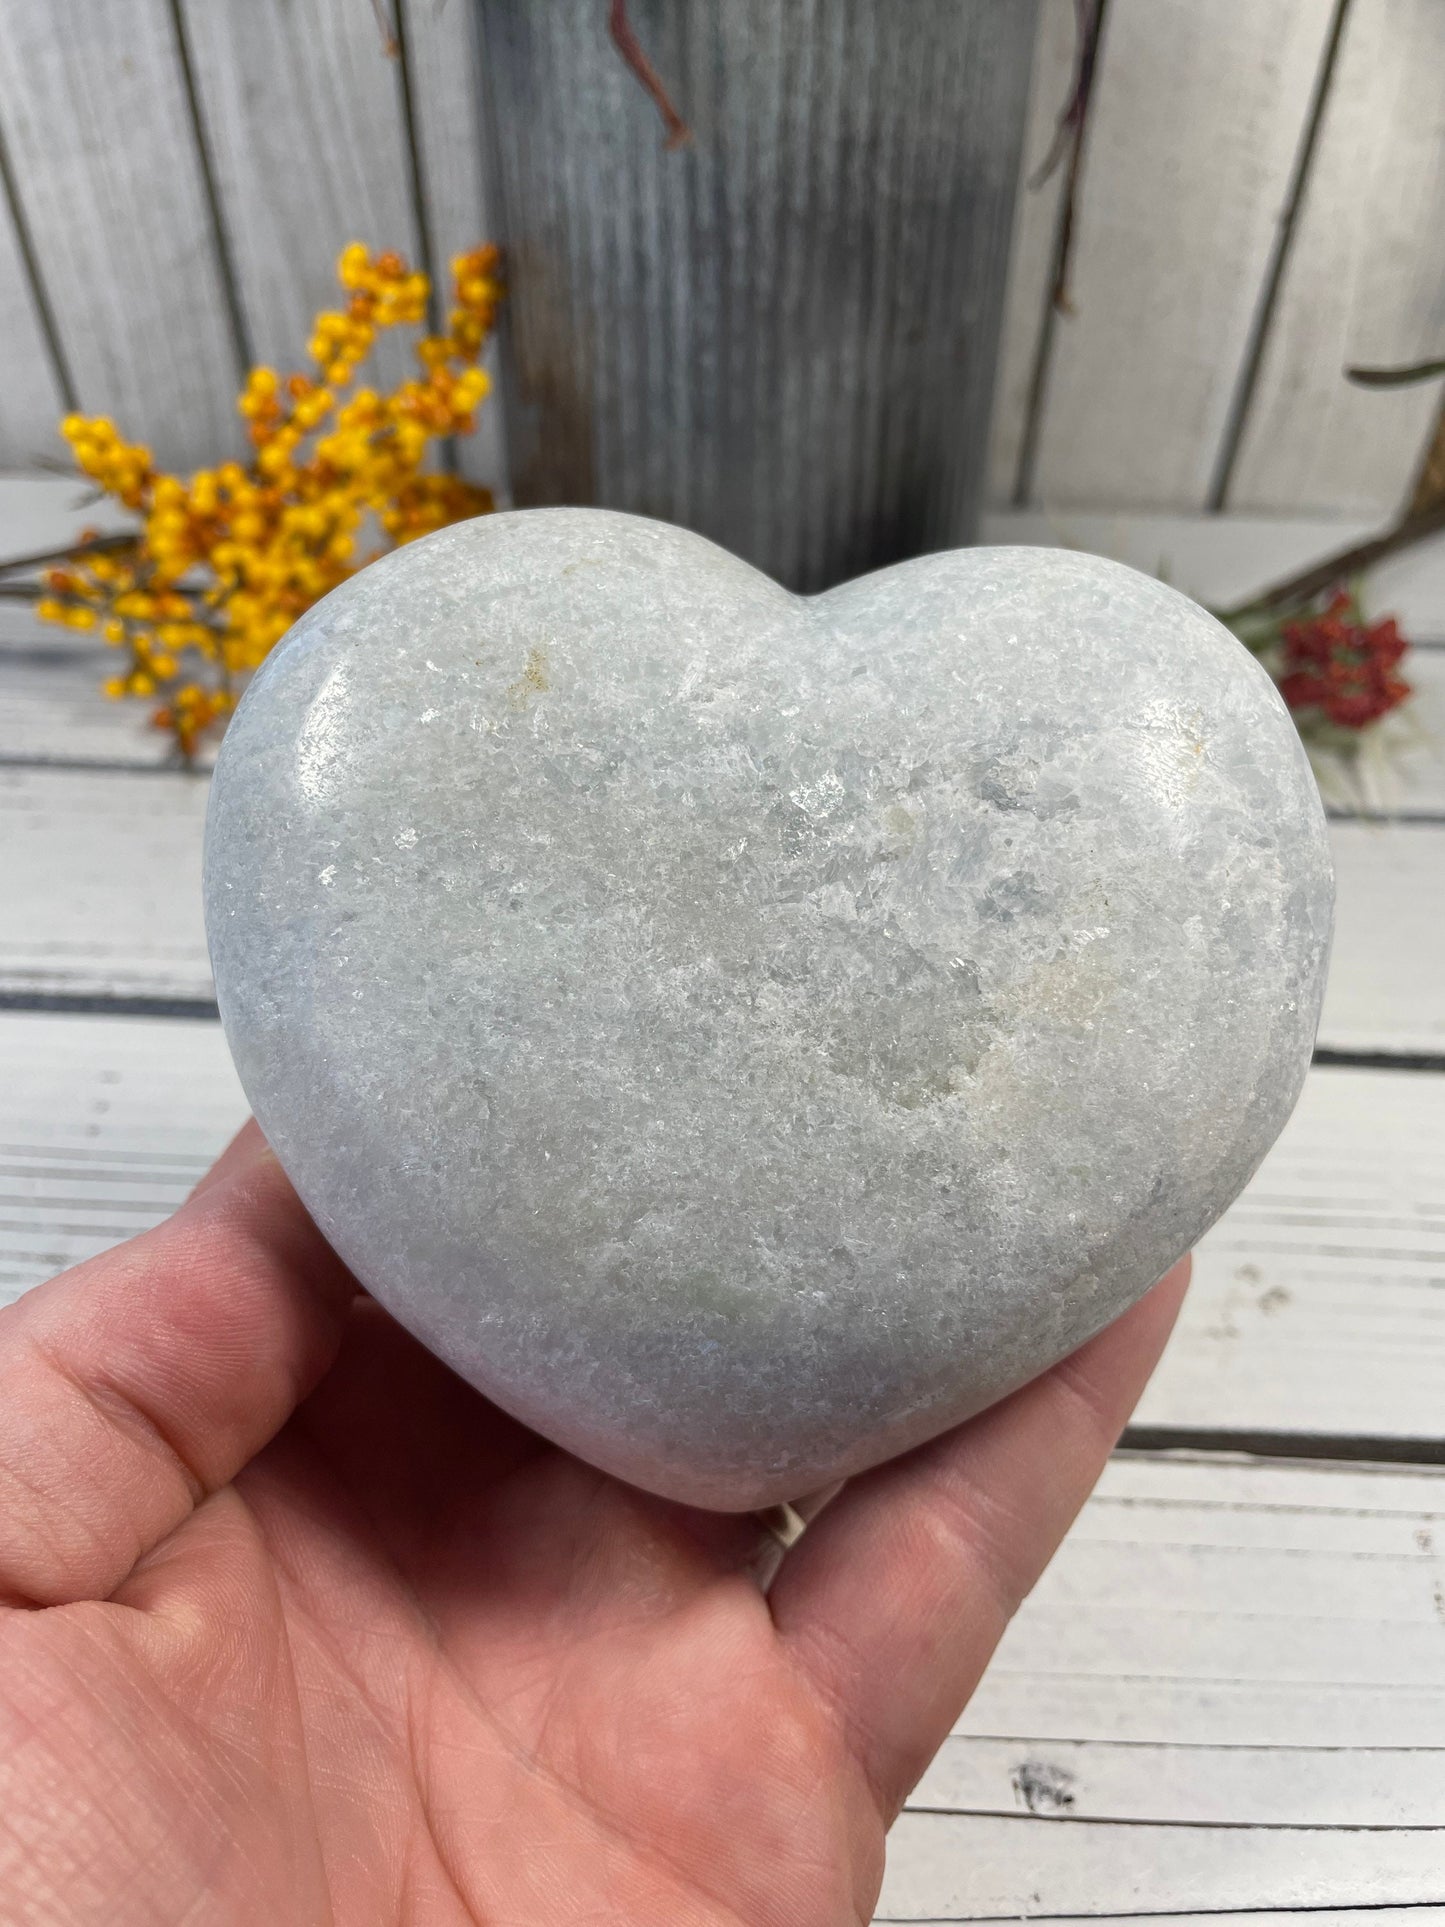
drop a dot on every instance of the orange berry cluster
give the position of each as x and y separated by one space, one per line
225 561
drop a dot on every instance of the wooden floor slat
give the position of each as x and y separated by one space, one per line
1318 1305
943 1869
1409 1915
54 712
127 844
100 875
1222 560
1179 1782
1227 1693
1318 1302
105 1124
54 708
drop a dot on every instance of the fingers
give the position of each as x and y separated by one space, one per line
135 1384
894 1600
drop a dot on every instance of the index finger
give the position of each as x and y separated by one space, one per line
137 1383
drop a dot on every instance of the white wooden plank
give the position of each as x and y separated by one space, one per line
1217 558
1218 1603
1223 559
100 874
1372 1916
1386 989
129 844
942 1868
105 1124
1031 249
100 143
1364 282
1193 131
1318 1303
441 54
43 512
302 113
1227 1693
1317 1306
52 709
1227 1786
31 403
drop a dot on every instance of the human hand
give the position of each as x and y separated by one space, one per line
296 1628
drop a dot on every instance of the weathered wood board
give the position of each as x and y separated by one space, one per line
105 1124
1254 216
100 875
1193 134
1364 282
446 86
101 150
128 842
302 110
1226 1695
185 173
1318 1306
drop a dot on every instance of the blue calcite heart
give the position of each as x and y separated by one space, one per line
744 1035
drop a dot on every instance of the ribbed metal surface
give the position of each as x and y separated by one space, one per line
783 334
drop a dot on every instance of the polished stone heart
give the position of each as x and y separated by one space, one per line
746 1035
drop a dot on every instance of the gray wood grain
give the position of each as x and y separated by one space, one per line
1312 1310
782 334
31 401
300 103
1226 1673
1364 281
101 148
441 55
1037 210
1194 125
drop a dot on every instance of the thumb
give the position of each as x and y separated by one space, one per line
134 1385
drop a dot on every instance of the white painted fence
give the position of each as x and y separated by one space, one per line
1263 203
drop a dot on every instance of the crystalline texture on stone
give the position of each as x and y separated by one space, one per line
746 1035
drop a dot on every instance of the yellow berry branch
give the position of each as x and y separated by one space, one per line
226 561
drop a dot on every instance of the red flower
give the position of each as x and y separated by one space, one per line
1336 663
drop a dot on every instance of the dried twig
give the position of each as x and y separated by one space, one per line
98 545
1430 482
1069 141
1071 114
1395 377
1340 566
624 38
57 465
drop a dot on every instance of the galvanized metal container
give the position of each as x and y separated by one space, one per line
782 333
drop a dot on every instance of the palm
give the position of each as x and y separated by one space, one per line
412 1664
496 1685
